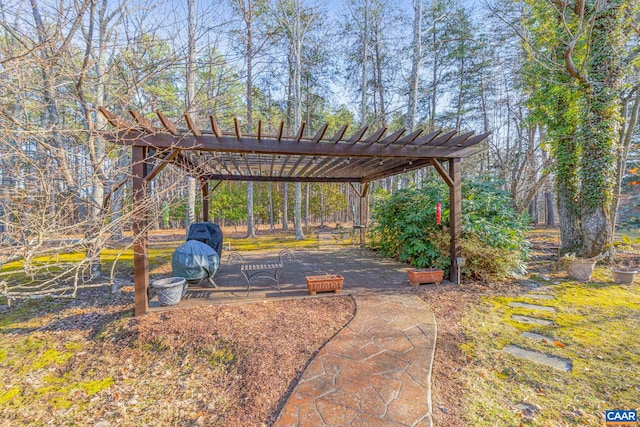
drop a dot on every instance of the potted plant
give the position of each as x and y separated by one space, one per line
623 270
623 273
425 275
579 268
324 283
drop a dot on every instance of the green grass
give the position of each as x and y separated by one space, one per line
271 243
631 233
597 324
158 255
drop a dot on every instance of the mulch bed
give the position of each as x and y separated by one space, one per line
212 365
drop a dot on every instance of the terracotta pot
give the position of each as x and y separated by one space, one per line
623 276
425 275
580 268
325 283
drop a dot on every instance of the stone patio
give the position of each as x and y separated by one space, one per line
363 270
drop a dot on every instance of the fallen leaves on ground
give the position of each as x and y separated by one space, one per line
211 365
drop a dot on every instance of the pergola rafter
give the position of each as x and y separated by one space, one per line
216 154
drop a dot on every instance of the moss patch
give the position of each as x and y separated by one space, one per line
271 242
596 327
9 395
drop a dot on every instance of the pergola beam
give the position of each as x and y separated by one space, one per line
142 121
443 173
230 144
417 164
257 178
393 137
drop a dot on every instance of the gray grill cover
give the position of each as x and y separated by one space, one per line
194 260
207 232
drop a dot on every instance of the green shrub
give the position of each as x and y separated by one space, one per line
493 240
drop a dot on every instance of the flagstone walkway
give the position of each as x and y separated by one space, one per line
375 372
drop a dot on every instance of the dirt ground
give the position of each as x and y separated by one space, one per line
89 362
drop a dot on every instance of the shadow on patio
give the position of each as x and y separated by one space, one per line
363 271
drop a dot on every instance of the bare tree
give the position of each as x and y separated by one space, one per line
416 60
190 80
297 23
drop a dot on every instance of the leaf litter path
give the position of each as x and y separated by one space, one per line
375 372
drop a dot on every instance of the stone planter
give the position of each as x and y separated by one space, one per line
580 268
623 276
170 290
425 275
325 283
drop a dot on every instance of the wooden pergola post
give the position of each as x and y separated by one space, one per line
204 185
363 213
140 239
455 212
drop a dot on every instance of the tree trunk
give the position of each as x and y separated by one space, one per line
298 211
379 85
460 93
434 83
271 222
533 209
566 183
365 35
251 231
306 208
248 20
550 216
415 65
601 129
322 211
190 98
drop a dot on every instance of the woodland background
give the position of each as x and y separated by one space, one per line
414 64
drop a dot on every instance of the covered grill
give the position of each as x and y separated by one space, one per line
199 257
208 233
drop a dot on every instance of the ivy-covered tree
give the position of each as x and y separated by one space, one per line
587 54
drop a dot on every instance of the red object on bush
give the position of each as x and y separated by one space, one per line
438 213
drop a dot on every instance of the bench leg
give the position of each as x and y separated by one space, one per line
277 279
248 279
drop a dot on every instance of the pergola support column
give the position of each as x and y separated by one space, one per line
204 185
362 193
363 213
140 238
455 212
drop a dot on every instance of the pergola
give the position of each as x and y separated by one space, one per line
213 154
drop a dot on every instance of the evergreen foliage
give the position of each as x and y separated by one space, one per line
493 240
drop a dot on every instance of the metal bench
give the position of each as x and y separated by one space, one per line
268 270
